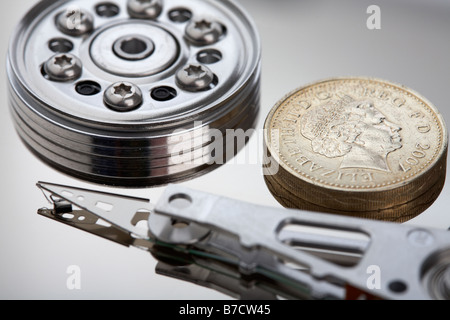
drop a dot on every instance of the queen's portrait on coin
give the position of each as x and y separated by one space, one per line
353 130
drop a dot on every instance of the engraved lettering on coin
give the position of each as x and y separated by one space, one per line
354 130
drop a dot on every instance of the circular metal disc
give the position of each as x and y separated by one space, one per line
356 146
79 126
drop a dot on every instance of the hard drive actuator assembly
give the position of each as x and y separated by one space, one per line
254 252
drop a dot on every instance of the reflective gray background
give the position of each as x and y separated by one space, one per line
303 41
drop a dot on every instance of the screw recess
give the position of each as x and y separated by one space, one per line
204 31
63 67
119 83
195 77
75 21
123 97
144 9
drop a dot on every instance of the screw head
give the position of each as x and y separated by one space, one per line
144 9
195 77
202 31
75 21
63 67
123 97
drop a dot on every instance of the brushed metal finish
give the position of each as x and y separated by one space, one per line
133 141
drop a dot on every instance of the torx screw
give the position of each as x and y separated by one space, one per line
195 77
63 67
204 31
123 97
75 21
144 9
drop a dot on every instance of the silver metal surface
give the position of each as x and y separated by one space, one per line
446 285
204 31
63 67
155 138
145 9
258 228
206 277
75 22
159 55
123 96
114 209
204 229
436 273
411 48
175 232
133 47
195 77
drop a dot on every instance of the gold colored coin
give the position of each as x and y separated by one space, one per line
358 146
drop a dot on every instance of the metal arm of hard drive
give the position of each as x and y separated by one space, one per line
250 251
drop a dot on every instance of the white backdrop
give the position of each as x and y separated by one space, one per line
303 41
